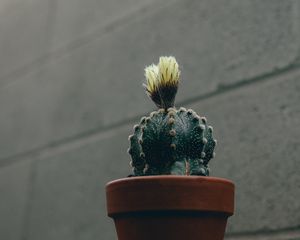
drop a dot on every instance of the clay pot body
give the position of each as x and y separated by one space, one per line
170 207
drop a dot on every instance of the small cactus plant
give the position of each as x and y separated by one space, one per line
170 140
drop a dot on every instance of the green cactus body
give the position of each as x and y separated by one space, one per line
170 141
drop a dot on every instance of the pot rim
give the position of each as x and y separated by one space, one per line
153 177
170 193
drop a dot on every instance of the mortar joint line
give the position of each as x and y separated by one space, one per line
7 161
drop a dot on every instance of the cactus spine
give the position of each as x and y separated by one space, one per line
170 141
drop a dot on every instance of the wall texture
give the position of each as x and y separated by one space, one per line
70 92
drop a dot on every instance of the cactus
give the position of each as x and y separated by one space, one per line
170 141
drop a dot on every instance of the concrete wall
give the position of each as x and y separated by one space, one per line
70 92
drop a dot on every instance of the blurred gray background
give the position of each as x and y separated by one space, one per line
70 92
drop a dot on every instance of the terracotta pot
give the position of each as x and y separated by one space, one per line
170 207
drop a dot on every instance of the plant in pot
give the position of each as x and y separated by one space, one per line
169 194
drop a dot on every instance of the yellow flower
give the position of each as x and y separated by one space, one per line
162 81
168 71
151 74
